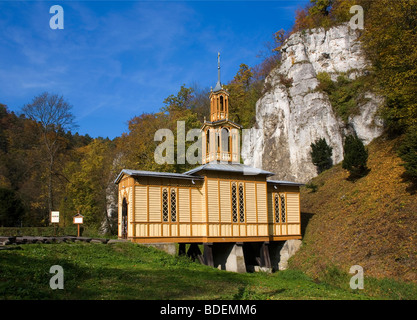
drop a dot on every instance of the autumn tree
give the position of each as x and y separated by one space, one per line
89 180
244 92
390 42
54 116
138 147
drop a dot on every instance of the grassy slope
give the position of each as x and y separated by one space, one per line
371 222
129 271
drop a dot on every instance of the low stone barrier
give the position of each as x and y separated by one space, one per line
4 241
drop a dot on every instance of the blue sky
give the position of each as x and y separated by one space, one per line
118 59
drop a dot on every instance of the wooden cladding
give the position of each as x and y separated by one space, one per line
219 208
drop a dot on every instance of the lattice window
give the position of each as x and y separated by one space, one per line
165 205
241 203
283 213
234 202
276 207
173 205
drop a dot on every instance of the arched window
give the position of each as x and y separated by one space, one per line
225 140
241 204
234 202
218 141
165 205
173 205
276 207
283 213
208 141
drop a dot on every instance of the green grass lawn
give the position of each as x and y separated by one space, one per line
130 271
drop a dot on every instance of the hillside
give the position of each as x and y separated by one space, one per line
371 222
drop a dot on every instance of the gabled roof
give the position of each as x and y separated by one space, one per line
140 173
229 167
219 122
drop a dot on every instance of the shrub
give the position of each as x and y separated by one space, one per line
408 153
321 155
355 157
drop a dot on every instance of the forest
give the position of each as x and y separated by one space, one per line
46 165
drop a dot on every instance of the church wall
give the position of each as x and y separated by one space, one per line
292 224
198 220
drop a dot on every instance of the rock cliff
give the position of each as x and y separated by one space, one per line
292 113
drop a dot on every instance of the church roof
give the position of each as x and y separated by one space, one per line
229 167
218 87
140 173
285 183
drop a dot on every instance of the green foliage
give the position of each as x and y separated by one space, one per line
344 94
321 155
11 208
408 152
355 157
390 43
312 186
138 147
321 7
244 92
89 179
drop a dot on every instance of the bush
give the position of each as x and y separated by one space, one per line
355 157
321 155
408 153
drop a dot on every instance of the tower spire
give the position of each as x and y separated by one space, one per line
218 84
218 67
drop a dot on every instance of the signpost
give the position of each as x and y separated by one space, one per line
55 220
78 219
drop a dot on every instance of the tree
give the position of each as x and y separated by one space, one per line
244 92
321 7
408 152
89 179
53 114
355 157
390 43
11 208
321 155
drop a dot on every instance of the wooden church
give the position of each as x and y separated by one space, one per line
220 201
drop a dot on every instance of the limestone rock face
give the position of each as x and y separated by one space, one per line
290 118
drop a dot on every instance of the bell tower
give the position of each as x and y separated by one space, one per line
219 99
220 135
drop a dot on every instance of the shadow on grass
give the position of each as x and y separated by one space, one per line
305 219
26 277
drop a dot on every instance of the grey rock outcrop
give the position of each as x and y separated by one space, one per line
291 117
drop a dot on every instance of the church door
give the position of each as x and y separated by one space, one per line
124 219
